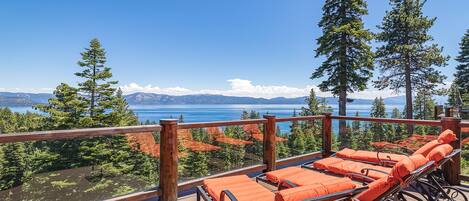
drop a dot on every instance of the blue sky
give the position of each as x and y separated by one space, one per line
261 48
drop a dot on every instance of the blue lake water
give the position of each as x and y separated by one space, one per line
204 113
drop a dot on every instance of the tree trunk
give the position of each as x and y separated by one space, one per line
408 96
343 123
343 84
93 93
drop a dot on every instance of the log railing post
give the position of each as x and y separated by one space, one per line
452 170
326 135
168 160
270 142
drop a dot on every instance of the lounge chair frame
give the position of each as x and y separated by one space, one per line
203 194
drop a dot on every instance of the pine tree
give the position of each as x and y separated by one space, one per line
96 88
344 43
245 115
14 168
462 70
454 96
407 58
378 110
398 129
66 110
254 115
313 105
356 124
423 105
282 149
121 114
181 119
198 164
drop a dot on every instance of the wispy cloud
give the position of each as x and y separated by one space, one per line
27 90
237 87
242 87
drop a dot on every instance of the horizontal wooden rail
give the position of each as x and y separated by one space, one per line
138 196
220 123
388 120
464 124
302 118
77 133
464 177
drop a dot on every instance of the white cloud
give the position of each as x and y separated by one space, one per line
27 90
237 87
241 87
134 87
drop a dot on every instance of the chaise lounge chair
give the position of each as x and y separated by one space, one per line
389 159
242 188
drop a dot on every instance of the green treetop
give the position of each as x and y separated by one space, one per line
66 110
423 105
407 58
349 60
378 110
462 70
96 88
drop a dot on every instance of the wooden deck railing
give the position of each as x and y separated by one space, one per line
168 187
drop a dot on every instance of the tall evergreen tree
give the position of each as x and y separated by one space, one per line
13 163
96 88
344 43
121 114
254 115
245 115
462 70
423 105
454 95
378 110
398 129
66 110
407 59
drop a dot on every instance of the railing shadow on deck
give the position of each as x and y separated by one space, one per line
169 187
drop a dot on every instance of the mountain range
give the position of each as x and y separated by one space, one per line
29 99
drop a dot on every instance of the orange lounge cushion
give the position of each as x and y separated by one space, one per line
405 167
315 190
371 156
325 162
376 189
447 137
242 187
439 152
311 177
346 167
425 149
345 153
278 175
299 176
